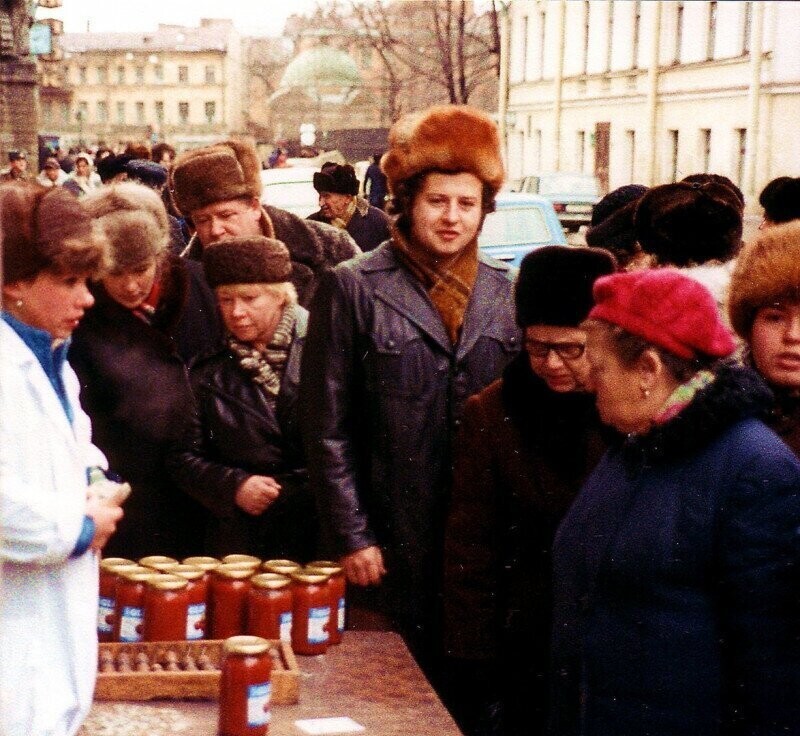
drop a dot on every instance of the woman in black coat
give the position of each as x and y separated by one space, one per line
241 457
134 384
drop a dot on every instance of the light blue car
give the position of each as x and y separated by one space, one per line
520 223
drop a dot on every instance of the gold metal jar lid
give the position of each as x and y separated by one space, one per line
122 570
306 577
245 645
283 567
241 558
325 566
203 562
270 581
142 575
107 563
167 582
234 571
158 562
188 572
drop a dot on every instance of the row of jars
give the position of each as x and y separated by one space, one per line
161 599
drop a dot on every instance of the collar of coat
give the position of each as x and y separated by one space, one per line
738 393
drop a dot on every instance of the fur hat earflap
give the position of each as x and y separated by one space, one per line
133 219
767 271
246 260
449 138
554 286
223 171
337 179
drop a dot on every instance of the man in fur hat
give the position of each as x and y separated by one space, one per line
340 206
398 340
218 187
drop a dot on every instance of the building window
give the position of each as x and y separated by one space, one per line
741 153
48 112
637 26
586 14
121 113
102 111
609 33
102 75
580 149
537 153
211 112
211 75
120 75
64 113
676 56
630 138
542 39
183 74
747 27
81 75
705 149
159 111
525 27
711 40
158 72
673 155
140 113
139 75
183 113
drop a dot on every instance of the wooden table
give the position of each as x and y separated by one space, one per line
370 677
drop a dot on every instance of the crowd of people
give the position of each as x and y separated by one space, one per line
574 490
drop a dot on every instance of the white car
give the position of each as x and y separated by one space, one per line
291 189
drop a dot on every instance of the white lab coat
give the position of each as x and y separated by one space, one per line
48 602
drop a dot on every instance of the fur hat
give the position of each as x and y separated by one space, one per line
451 138
612 222
227 170
689 223
666 308
337 179
111 166
554 286
17 156
250 260
781 199
146 172
134 221
767 270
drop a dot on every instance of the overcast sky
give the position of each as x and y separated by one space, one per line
251 17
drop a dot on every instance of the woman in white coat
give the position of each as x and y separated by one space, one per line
51 525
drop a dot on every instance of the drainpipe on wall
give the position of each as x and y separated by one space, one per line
652 97
558 83
754 95
502 90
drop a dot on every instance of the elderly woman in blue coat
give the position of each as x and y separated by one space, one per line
676 569
51 525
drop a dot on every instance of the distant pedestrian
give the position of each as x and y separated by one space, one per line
375 185
780 200
17 169
612 226
84 179
51 174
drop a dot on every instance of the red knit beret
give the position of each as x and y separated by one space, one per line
666 308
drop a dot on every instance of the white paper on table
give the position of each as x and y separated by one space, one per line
320 726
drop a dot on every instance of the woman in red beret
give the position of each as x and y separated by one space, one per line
676 568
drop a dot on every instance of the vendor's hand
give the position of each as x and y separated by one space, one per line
364 566
105 516
256 494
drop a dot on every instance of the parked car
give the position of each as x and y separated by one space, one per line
291 189
520 223
573 195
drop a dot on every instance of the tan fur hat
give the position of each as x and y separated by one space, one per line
767 270
452 138
246 260
226 170
133 219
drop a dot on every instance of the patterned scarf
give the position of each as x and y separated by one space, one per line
449 287
343 221
683 395
266 368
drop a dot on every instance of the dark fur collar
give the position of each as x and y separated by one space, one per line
737 393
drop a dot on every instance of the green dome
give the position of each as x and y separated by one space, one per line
321 66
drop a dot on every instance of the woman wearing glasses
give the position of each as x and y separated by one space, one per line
528 441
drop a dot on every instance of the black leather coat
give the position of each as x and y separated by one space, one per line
383 390
236 433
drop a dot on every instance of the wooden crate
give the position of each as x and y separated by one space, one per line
164 684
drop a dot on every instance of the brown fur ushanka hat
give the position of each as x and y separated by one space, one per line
450 138
246 260
223 171
767 271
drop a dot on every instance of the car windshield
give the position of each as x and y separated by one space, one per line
291 195
568 184
515 226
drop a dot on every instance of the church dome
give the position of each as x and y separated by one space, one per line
321 67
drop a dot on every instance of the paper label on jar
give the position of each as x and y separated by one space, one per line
105 615
286 626
317 621
340 622
130 623
196 621
258 713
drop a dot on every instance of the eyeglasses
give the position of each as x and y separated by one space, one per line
564 350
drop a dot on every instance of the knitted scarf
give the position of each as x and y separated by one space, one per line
343 221
449 288
682 396
266 368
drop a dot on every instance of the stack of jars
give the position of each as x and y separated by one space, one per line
160 599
